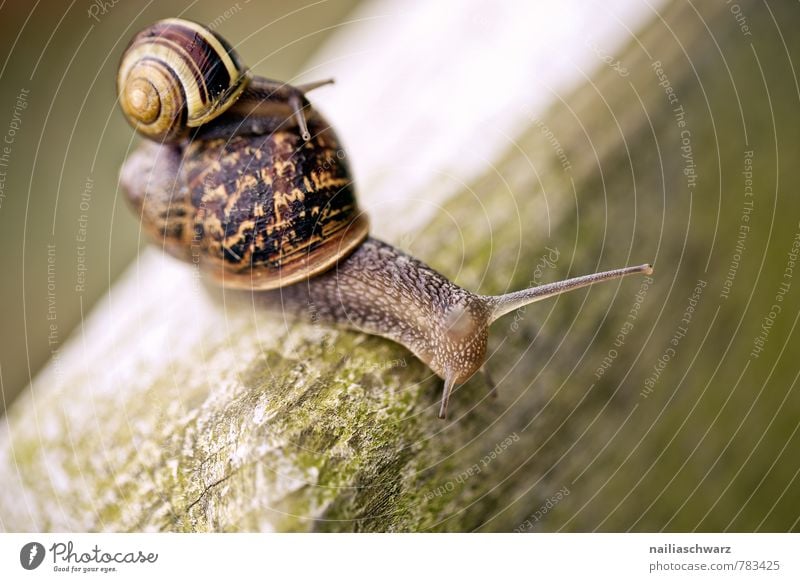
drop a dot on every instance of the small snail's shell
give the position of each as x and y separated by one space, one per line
255 212
176 75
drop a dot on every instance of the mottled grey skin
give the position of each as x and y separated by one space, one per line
382 291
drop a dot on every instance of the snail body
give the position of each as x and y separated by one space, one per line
259 196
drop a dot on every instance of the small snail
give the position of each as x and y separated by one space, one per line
248 183
177 75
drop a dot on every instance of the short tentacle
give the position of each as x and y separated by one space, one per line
449 384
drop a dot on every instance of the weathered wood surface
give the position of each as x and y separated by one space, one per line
174 410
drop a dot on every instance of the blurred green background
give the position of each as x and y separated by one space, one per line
71 133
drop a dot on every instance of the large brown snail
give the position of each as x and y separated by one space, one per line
248 181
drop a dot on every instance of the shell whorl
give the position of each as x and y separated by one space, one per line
176 75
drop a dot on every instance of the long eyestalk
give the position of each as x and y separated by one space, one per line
507 303
306 87
297 105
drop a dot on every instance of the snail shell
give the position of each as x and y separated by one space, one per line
176 75
255 212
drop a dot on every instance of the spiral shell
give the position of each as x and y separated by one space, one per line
176 75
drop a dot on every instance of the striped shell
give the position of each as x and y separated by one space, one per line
253 212
176 75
